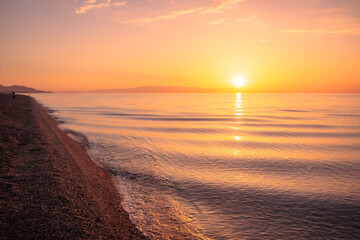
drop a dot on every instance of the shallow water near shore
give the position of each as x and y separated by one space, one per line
225 166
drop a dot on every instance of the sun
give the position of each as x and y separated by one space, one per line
239 82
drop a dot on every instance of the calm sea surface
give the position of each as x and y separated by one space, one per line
225 166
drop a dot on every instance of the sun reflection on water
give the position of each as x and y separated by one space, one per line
238 115
238 105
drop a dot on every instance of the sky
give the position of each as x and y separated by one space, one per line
276 45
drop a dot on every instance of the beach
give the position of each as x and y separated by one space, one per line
50 187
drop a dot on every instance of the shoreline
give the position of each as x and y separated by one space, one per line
50 187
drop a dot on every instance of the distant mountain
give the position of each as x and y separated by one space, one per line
20 89
166 89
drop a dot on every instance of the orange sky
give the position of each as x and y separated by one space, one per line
278 45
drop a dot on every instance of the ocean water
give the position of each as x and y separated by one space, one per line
225 166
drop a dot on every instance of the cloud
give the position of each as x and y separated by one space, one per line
307 16
119 4
8 68
219 21
354 31
86 8
93 4
217 7
171 15
291 16
327 10
330 21
221 6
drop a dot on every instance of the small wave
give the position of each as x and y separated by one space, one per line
273 207
305 134
289 146
60 121
195 119
305 126
293 110
131 114
344 115
79 137
183 130
274 117
50 110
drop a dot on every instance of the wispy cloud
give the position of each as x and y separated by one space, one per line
219 21
327 10
8 68
171 15
308 16
221 6
119 4
295 16
93 4
331 21
353 31
90 1
217 6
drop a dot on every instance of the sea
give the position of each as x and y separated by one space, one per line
225 166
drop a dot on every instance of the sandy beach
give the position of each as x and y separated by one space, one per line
50 188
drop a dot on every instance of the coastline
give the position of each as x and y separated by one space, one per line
50 187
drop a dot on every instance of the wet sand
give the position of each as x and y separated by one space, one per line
50 188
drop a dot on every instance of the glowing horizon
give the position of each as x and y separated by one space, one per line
280 46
